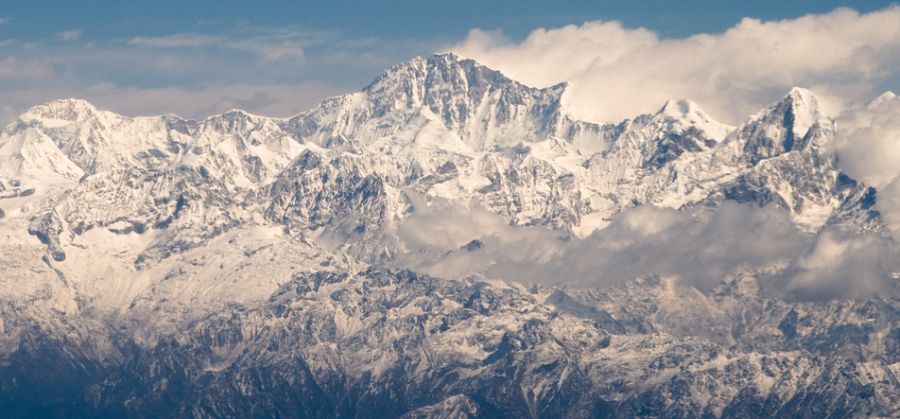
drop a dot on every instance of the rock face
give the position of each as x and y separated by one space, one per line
247 266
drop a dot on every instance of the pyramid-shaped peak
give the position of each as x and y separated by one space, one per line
800 109
803 101
448 84
795 122
480 104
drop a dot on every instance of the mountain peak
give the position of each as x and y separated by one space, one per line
805 107
447 71
70 102
446 57
786 125
800 92
886 97
67 109
679 107
233 115
804 110
690 113
472 100
796 111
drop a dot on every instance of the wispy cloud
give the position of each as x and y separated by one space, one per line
281 46
4 20
70 35
179 40
280 52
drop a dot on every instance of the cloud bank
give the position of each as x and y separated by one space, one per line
701 247
844 57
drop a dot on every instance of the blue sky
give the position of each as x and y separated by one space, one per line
279 57
109 19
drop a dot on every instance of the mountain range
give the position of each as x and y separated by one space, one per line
446 242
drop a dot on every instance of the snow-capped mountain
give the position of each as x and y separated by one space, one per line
252 266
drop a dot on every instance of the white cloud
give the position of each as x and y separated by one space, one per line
844 264
868 148
179 40
868 141
618 72
697 246
4 20
888 205
70 35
